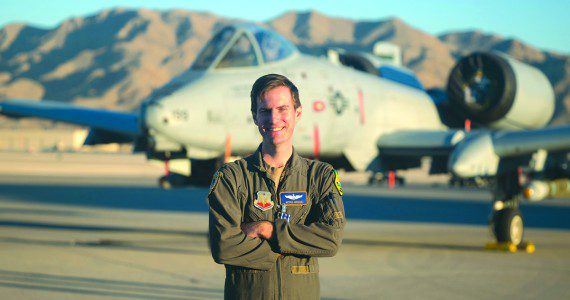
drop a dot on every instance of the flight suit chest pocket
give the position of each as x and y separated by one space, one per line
297 205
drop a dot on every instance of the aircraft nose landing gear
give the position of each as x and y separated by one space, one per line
201 174
173 180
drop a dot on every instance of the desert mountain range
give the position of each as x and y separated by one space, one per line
114 59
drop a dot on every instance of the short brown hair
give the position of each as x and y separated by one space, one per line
269 82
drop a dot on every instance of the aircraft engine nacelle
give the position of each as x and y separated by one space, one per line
377 64
496 91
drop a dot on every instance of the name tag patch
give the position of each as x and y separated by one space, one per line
293 198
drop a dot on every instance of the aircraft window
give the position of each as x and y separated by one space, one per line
273 46
213 49
241 54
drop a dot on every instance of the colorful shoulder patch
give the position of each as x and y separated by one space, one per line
337 182
215 180
293 198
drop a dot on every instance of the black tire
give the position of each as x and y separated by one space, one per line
173 180
508 226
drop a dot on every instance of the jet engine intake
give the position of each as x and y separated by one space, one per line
495 90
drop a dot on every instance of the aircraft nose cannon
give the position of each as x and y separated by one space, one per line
155 116
474 157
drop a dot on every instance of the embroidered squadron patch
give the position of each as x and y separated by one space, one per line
263 201
293 198
215 179
337 182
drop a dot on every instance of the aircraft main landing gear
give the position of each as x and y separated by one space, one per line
506 221
507 226
201 170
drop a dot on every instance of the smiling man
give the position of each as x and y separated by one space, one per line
273 213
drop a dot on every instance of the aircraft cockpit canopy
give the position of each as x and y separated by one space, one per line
243 46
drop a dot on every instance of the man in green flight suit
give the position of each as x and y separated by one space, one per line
273 213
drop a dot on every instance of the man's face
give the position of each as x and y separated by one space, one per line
276 116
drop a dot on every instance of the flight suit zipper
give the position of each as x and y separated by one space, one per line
271 185
279 283
277 199
279 294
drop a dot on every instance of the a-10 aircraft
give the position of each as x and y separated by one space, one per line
359 114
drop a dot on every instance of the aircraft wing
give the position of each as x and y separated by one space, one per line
106 126
404 149
419 142
480 153
473 154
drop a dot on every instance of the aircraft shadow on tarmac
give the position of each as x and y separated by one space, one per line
104 287
376 207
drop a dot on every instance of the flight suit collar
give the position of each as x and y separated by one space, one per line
296 163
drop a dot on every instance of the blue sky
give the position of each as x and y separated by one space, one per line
544 24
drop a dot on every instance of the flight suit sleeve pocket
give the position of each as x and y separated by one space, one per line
332 210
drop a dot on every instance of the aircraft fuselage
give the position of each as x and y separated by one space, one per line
342 108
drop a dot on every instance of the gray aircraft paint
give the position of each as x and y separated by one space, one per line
217 105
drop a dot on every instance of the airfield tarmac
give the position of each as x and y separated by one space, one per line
86 226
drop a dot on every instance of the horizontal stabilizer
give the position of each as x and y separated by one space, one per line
122 123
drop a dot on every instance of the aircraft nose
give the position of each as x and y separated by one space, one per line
155 116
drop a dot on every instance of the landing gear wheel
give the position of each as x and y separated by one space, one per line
173 180
164 183
508 226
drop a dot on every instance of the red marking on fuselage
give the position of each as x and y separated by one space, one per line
316 142
228 151
361 107
318 105
166 168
